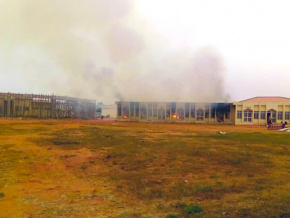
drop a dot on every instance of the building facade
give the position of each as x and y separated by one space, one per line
179 112
259 109
45 106
254 111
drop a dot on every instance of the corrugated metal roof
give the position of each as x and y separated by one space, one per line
267 99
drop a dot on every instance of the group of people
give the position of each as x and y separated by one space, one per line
269 122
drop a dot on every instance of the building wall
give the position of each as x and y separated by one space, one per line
259 108
175 112
45 106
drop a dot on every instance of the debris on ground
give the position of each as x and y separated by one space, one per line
285 129
223 133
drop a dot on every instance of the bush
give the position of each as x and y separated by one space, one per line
2 195
193 209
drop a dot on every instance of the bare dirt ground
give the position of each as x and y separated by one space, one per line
103 168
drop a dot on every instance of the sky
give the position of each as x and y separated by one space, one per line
151 50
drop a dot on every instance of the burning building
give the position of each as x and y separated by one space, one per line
45 106
251 111
180 112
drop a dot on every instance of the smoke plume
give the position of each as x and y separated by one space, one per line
102 54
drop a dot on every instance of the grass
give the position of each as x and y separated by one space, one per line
83 168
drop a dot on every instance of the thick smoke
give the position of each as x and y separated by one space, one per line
103 54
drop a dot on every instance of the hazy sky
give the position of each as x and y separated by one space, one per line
136 50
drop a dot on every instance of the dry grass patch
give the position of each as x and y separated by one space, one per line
82 168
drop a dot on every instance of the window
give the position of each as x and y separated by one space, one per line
173 108
137 109
287 115
125 112
192 111
186 110
247 116
207 112
280 115
143 112
119 109
273 116
256 115
180 114
212 113
161 114
263 115
199 114
239 114
155 110
227 115
168 110
132 109
149 110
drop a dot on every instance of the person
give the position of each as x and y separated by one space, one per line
269 122
102 117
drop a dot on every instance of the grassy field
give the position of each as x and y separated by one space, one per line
92 168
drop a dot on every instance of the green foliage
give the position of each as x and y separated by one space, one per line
2 195
193 209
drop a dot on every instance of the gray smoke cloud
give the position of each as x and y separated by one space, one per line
101 55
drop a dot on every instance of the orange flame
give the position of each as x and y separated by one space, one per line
125 116
174 115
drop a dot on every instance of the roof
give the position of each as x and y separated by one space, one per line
267 99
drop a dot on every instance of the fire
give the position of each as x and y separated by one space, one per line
125 116
175 116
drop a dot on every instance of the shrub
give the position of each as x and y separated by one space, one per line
2 195
193 209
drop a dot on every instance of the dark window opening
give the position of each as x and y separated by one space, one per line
149 110
132 109
143 112
168 110
125 112
192 111
180 114
119 109
280 115
256 115
154 110
137 109
161 114
199 114
186 110
263 115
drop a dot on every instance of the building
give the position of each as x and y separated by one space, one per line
179 112
258 110
251 111
45 106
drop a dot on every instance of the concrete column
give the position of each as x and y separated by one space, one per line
236 114
242 113
209 115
